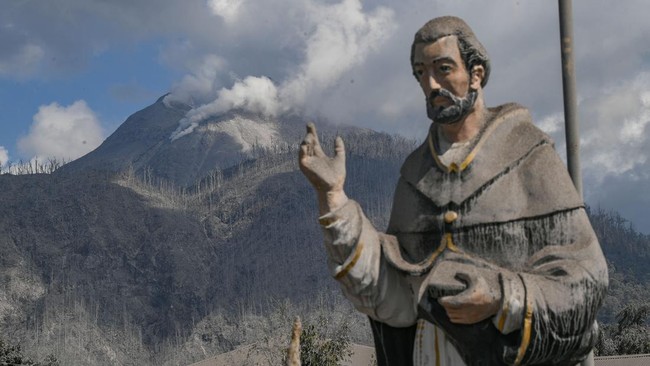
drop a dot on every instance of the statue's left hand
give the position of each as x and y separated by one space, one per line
481 299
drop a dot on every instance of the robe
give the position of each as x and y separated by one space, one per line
507 213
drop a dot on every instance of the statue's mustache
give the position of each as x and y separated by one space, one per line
442 92
459 106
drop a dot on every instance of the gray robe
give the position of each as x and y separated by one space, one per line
517 219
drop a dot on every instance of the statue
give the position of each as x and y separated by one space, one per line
489 257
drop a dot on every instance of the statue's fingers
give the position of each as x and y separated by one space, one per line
339 147
308 145
312 138
460 319
466 278
311 131
454 314
318 150
450 302
304 150
311 128
462 298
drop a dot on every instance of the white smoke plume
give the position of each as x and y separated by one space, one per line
343 37
245 132
335 37
254 94
199 86
63 133
4 156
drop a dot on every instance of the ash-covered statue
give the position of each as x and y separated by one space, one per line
489 257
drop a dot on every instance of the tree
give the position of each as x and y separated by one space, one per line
11 355
316 349
630 336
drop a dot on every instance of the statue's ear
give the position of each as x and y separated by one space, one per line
478 73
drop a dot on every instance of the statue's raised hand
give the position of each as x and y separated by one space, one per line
326 174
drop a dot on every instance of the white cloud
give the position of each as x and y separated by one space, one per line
554 126
227 9
614 146
633 128
4 156
43 38
62 132
551 124
23 62
614 136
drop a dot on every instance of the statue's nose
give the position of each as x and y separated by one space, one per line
432 83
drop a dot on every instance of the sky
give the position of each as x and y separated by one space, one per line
71 71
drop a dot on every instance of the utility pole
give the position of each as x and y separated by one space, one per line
571 107
569 88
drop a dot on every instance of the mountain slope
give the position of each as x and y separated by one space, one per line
114 267
143 142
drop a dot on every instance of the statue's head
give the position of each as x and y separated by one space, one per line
471 50
451 66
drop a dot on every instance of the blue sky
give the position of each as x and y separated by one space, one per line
71 71
114 84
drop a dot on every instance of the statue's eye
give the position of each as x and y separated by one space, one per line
419 72
445 68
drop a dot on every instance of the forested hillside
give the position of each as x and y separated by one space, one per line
628 254
106 268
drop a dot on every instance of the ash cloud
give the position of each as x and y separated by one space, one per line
337 37
254 94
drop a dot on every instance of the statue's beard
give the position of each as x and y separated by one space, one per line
459 108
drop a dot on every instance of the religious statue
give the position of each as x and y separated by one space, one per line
489 257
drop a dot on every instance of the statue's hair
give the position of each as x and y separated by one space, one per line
471 50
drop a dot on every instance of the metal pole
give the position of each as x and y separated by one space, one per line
571 107
569 87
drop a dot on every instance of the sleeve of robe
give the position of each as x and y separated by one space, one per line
553 301
355 260
552 297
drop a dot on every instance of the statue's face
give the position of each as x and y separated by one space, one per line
449 91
